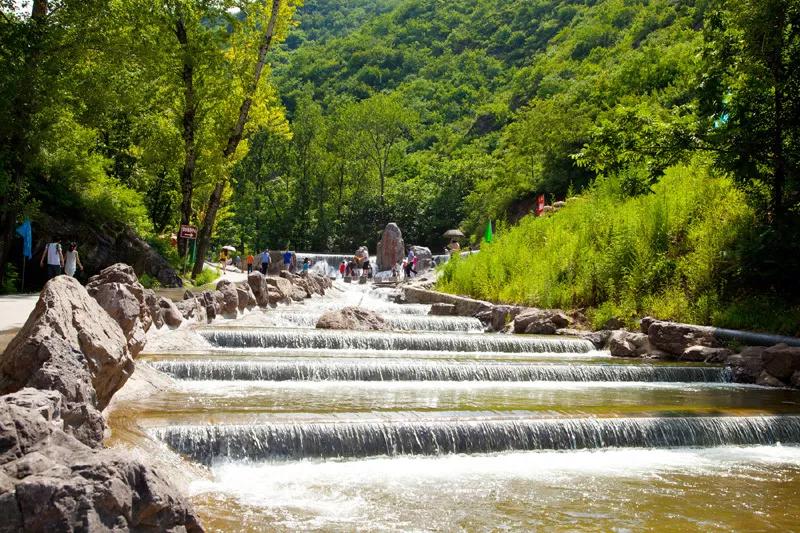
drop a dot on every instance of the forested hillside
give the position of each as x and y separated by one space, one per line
441 113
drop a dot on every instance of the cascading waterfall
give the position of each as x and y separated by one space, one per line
395 322
358 340
363 439
314 370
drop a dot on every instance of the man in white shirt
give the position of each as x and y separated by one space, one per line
55 259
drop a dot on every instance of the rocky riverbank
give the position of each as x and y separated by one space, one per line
57 375
770 363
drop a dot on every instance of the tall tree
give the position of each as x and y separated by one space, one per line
753 70
237 130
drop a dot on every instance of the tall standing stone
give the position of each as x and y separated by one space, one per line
391 248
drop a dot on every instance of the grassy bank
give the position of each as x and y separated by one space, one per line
673 254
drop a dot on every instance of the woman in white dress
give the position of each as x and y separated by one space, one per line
72 260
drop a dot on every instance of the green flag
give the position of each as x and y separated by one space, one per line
488 236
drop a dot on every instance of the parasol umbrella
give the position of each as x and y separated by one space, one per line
229 248
453 234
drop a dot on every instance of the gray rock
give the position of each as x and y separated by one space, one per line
499 316
424 258
192 310
210 304
391 248
229 300
119 292
766 379
747 365
540 321
781 360
442 310
795 380
352 318
66 311
156 312
245 296
674 338
623 343
258 284
598 338
49 481
172 317
705 354
283 289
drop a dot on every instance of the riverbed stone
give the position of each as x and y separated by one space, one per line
540 321
765 379
170 314
705 354
192 310
781 360
794 381
210 304
229 304
352 318
598 338
282 286
391 248
50 481
747 365
258 284
156 312
442 310
245 296
66 311
673 338
623 343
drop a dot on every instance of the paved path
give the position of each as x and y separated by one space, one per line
14 310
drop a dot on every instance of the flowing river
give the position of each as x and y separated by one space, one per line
437 426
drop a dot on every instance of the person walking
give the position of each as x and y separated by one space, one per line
287 259
55 259
265 261
72 260
250 260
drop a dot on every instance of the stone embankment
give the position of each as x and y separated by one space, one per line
57 375
773 363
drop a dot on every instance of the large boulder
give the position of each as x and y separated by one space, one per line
65 311
705 354
781 361
170 314
499 316
192 310
540 321
279 287
210 304
119 292
623 343
50 481
391 248
229 306
156 312
353 318
674 338
747 365
424 258
246 297
258 284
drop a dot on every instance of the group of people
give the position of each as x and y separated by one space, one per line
265 261
58 261
356 268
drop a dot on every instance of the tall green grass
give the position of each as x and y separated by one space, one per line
664 254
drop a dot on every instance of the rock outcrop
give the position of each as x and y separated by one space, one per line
424 258
258 285
50 481
119 292
68 329
229 296
352 318
540 321
391 248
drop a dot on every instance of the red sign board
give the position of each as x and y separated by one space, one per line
188 232
539 204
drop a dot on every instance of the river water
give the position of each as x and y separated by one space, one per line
436 426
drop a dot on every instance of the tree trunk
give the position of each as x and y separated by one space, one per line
189 114
210 218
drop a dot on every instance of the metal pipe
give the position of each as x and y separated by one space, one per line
753 339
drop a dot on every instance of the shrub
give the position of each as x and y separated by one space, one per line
205 277
664 253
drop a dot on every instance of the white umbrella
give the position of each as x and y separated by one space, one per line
229 248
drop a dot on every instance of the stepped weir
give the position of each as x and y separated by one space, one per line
306 429
311 370
298 441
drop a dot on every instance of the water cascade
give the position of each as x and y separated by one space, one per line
315 370
395 322
208 444
352 340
